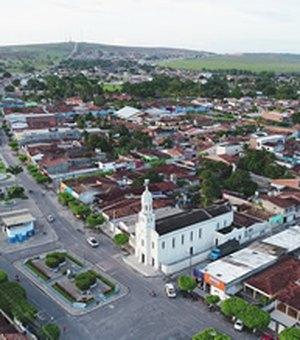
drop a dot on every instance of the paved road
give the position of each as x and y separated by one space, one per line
136 316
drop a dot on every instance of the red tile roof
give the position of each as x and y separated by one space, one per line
291 295
275 280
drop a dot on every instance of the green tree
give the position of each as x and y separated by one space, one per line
16 191
261 162
64 198
93 220
254 318
221 170
236 93
24 312
99 100
210 188
9 88
22 158
50 331
14 145
3 277
186 283
121 239
240 181
296 118
233 306
210 334
14 169
212 299
290 334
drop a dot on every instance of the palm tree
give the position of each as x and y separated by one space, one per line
15 170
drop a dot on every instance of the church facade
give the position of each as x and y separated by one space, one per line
173 243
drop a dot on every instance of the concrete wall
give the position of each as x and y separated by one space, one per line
203 239
185 263
244 234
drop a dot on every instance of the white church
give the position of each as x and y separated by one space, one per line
173 243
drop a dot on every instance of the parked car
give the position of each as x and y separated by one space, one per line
92 242
267 337
238 325
170 290
50 218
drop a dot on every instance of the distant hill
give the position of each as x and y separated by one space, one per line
255 62
92 51
41 56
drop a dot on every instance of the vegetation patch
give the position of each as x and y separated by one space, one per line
252 316
244 62
62 291
186 283
85 280
53 260
2 168
73 259
121 239
94 220
210 334
37 270
39 177
50 331
107 282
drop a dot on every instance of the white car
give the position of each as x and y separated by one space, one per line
238 325
50 218
92 242
170 290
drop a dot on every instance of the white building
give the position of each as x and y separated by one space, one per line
128 113
225 277
230 149
18 225
175 242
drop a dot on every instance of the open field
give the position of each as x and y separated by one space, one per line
39 57
112 88
247 62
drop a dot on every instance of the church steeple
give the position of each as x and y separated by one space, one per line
147 200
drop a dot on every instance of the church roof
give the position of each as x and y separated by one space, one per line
188 218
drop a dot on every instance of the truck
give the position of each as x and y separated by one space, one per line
224 249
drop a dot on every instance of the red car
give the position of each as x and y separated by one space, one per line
268 337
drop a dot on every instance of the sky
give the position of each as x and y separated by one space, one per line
224 26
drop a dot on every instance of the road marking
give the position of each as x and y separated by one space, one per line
106 266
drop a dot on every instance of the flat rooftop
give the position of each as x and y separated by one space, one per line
243 263
288 239
15 220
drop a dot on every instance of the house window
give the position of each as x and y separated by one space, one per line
218 225
191 236
163 244
292 313
153 262
225 223
173 242
199 233
182 239
281 307
142 241
153 245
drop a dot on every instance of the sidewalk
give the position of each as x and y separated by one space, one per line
146 271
